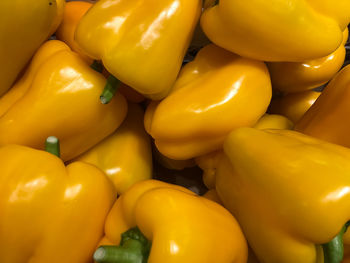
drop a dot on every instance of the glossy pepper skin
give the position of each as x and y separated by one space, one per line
49 212
134 47
58 95
292 219
274 121
208 233
325 118
209 162
207 102
294 105
24 26
126 155
73 12
301 76
253 28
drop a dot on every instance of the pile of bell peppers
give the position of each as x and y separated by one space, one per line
107 106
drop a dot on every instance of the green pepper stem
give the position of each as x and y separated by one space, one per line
52 145
334 250
96 65
130 252
133 248
110 89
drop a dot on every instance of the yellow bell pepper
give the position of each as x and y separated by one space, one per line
126 155
326 119
287 207
208 233
294 105
24 26
209 162
73 12
277 30
58 95
49 212
141 43
214 94
274 121
301 76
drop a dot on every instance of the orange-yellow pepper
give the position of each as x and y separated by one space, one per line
289 206
209 162
182 226
294 105
274 121
277 30
73 12
126 155
49 212
301 76
59 95
214 94
142 43
24 26
326 119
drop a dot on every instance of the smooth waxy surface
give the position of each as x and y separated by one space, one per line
306 75
59 96
214 94
126 155
277 30
208 233
24 26
142 43
73 13
301 199
49 212
209 162
326 117
274 121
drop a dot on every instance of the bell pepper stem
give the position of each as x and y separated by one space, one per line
334 250
133 248
110 89
96 65
130 252
52 145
